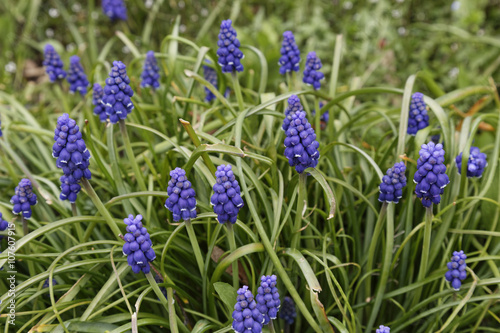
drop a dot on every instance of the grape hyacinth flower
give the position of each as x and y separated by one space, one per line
246 316
290 54
430 177
151 72
114 9
456 269
312 76
268 298
23 198
181 201
226 199
287 311
383 329
77 78
229 52
99 109
391 188
418 118
163 290
294 106
138 246
211 76
53 64
117 93
475 165
3 225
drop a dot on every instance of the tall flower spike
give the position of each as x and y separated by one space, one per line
312 75
293 107
99 109
53 64
114 9
77 78
456 269
151 72
138 246
229 52
290 54
268 298
3 225
391 188
72 157
117 93
287 311
226 199
430 177
181 201
475 164
246 316
383 329
23 198
418 118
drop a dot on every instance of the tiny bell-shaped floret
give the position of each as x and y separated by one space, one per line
138 246
23 198
53 64
117 93
418 118
287 311
77 78
229 52
226 199
312 75
151 72
456 269
246 316
99 108
475 164
391 188
114 9
181 201
268 298
290 54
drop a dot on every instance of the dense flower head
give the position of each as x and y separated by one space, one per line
3 225
46 283
418 118
246 315
229 52
117 93
475 164
99 109
287 311
268 298
138 246
53 64
211 76
312 75
300 142
290 54
151 72
181 201
77 78
293 107
323 118
456 269
383 329
430 177
391 188
114 9
23 198
226 199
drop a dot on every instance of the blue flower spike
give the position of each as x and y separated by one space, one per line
456 269
383 329
77 78
268 298
229 52
117 93
151 72
290 54
246 316
181 201
99 109
53 64
287 311
3 225
418 118
211 76
391 188
312 75
23 198
114 9
475 164
294 106
431 178
226 199
138 246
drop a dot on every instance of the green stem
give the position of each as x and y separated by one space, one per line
232 248
237 90
300 207
317 118
78 227
289 81
25 225
425 252
199 258
131 156
172 318
271 327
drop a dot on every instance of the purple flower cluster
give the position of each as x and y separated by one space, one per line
23 198
290 54
3 225
53 64
226 199
391 188
294 106
418 118
181 201
72 157
456 269
268 298
475 164
430 177
151 72
312 75
117 93
287 311
229 52
383 329
211 76
77 78
114 9
138 246
246 315
99 109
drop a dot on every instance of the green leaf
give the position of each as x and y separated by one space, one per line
227 294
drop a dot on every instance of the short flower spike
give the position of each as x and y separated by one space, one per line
114 9
151 72
117 93
456 269
475 164
181 201
418 118
246 316
312 75
293 107
211 76
430 177
77 78
290 54
53 64
268 298
391 188
226 199
138 246
383 329
3 225
23 198
229 52
287 311
99 109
